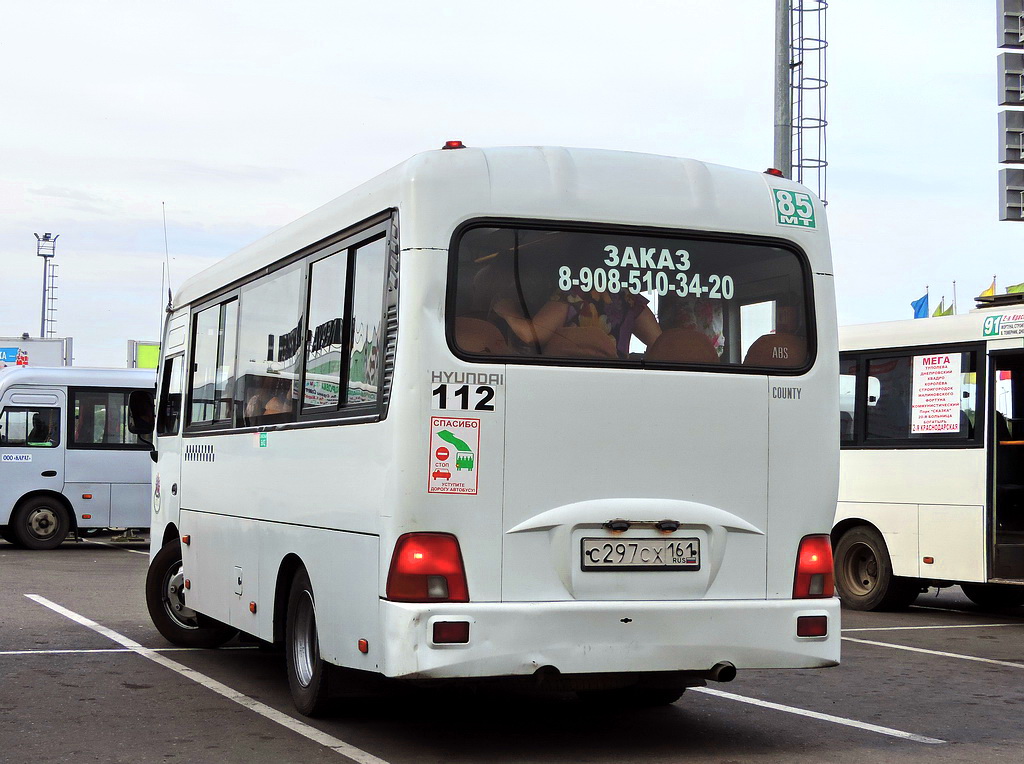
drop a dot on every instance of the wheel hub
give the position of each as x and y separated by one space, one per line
174 599
42 523
305 649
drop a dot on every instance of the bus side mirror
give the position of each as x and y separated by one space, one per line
141 412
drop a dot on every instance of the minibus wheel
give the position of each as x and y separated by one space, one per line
308 674
40 523
8 535
864 576
994 595
165 600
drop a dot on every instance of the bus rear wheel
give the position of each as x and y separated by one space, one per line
994 595
40 523
165 599
308 674
864 576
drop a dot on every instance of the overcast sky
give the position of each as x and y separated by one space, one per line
240 117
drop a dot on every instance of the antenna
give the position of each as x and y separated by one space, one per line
167 261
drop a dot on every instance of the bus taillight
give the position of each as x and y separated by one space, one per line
814 576
427 567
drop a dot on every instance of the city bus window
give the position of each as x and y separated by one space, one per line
30 427
930 396
847 398
101 419
269 345
367 311
325 338
628 298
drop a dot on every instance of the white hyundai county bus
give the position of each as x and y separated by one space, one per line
510 412
68 462
932 433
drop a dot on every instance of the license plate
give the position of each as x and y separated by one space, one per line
640 554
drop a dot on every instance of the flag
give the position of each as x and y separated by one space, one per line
991 291
949 311
1015 288
920 307
941 310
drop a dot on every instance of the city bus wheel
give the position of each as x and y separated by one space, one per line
864 576
165 599
40 523
994 595
308 674
8 535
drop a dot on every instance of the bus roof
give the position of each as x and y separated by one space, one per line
446 188
60 376
965 327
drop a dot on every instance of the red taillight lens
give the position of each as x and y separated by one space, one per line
814 576
427 567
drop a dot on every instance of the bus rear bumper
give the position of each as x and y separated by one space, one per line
516 639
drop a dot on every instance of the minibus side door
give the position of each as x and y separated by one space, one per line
28 462
167 474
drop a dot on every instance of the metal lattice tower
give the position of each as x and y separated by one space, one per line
51 301
808 88
800 88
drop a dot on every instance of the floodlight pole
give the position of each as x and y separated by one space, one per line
45 248
783 97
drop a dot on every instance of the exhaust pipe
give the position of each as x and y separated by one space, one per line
722 672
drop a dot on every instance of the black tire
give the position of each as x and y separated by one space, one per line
864 577
309 676
994 595
166 602
40 523
631 697
8 535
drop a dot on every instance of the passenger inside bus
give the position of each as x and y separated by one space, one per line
40 434
574 324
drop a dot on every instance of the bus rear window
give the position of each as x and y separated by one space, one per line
628 299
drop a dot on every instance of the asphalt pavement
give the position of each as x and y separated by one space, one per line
85 677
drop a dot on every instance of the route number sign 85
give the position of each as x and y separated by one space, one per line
793 208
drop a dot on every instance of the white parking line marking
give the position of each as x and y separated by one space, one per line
311 733
939 653
823 717
117 546
946 626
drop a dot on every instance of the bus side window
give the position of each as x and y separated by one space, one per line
101 419
170 397
32 428
364 366
269 349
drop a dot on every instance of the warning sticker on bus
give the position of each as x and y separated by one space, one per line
454 452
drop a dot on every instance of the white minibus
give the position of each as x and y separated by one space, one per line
518 412
932 458
68 462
